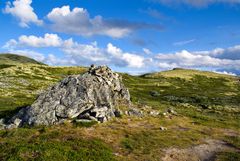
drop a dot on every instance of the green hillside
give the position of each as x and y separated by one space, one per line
10 59
186 74
207 106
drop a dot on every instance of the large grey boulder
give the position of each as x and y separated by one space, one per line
93 96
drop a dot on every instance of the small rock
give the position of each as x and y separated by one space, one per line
117 154
146 107
154 113
154 93
83 120
1 121
63 121
163 128
118 113
171 111
2 125
135 112
11 126
17 122
92 66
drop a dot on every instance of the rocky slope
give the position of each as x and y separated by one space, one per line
91 96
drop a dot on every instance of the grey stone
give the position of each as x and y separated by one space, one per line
118 113
2 125
171 111
164 114
1 121
83 120
154 113
94 96
135 112
154 93
11 126
17 122
163 128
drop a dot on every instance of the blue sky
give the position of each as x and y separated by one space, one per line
134 36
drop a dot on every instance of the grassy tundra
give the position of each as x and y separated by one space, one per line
207 107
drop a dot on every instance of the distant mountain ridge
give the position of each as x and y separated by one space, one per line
8 59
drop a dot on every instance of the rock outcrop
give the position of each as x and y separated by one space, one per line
94 95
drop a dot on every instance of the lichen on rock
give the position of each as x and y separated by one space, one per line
94 96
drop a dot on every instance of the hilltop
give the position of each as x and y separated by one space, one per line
186 74
11 59
185 112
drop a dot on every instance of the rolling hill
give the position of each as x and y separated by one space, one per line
8 59
186 74
206 113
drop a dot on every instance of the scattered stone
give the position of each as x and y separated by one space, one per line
17 122
146 107
118 113
83 120
135 112
163 128
154 93
94 95
154 113
1 121
171 111
2 125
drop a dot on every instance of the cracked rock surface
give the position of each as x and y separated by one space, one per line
92 96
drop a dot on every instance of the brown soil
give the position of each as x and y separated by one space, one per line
202 152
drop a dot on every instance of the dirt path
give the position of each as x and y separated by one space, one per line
203 152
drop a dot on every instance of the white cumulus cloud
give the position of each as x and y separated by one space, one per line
198 60
83 54
78 21
49 40
23 11
124 58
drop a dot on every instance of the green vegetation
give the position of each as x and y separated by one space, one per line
207 100
30 144
21 83
84 124
16 59
233 140
207 106
227 156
